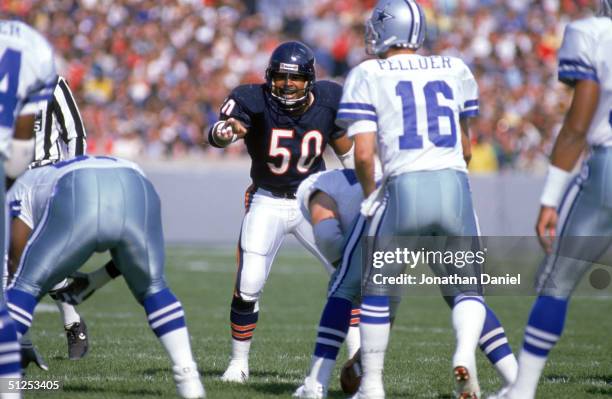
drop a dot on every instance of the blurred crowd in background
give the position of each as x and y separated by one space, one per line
150 75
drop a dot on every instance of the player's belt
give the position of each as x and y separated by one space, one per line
281 194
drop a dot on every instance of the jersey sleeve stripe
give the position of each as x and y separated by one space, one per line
470 103
573 76
564 62
357 116
361 106
468 114
39 97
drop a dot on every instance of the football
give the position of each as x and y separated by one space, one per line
350 376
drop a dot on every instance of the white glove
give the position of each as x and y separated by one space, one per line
372 203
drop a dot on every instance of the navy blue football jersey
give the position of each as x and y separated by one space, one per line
284 148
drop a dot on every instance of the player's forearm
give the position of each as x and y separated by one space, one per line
572 138
465 140
343 147
568 148
364 162
364 168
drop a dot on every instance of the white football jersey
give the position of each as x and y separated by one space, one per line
586 53
28 196
27 75
414 103
340 184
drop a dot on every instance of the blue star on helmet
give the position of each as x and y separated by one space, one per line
382 15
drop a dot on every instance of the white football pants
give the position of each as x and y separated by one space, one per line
267 221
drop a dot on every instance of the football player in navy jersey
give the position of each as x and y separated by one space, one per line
286 124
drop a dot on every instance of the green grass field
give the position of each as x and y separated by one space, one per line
126 361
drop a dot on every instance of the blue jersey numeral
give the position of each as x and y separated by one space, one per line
410 140
610 120
10 64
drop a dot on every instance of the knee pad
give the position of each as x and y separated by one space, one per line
241 306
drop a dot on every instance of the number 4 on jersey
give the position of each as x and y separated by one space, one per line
10 64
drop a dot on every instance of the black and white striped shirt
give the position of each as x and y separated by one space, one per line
59 131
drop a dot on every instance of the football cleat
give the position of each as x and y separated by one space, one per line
188 383
30 354
310 390
465 386
79 289
78 344
350 375
237 371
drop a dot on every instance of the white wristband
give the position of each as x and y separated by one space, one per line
222 143
557 180
348 159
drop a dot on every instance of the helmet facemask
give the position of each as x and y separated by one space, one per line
290 97
605 10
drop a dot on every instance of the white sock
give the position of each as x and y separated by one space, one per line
530 370
507 368
374 340
352 341
468 318
69 313
99 277
240 350
321 370
176 343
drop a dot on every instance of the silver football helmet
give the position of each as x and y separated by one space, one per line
606 8
395 23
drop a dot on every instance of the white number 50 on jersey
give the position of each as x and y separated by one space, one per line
306 158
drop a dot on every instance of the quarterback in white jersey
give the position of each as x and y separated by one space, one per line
575 221
415 109
416 103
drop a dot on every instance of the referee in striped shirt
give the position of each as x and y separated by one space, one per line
58 129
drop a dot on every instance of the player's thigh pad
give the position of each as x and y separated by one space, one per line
263 229
424 205
430 203
64 238
139 250
264 225
356 269
584 229
346 280
303 231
